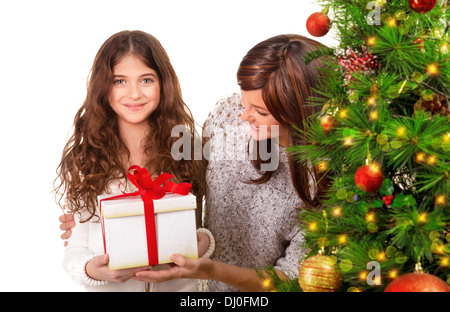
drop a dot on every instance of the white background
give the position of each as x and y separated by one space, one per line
46 51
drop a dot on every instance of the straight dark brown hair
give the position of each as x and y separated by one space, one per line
276 66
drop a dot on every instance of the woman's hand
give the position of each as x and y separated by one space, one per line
201 268
245 279
67 223
182 267
97 268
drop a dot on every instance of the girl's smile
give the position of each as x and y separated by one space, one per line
134 107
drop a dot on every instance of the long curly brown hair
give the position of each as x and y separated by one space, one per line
95 154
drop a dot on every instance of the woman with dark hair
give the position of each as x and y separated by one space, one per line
132 104
251 209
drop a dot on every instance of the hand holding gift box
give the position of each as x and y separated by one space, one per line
148 226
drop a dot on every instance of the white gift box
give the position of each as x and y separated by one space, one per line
124 229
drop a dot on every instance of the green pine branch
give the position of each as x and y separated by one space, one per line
375 118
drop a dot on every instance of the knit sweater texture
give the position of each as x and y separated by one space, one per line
254 225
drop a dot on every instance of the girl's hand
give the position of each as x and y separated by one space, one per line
67 223
97 268
201 268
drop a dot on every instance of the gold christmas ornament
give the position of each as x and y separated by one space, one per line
319 274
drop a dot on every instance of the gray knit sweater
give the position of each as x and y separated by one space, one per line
254 225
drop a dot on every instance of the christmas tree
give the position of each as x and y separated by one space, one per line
383 141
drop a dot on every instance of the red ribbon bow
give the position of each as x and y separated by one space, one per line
150 190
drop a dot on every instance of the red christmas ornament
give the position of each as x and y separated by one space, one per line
417 282
422 6
369 178
318 24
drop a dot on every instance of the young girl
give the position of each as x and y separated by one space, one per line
253 212
133 101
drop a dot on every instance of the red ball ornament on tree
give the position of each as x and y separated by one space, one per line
422 6
417 282
369 178
318 24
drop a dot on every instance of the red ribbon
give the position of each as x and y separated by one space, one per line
150 190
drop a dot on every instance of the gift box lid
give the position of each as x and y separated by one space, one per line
133 205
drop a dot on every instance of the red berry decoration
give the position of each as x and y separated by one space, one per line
417 282
369 178
318 24
353 61
422 6
388 199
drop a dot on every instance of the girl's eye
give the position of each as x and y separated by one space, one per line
147 80
119 82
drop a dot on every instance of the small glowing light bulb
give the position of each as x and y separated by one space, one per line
393 274
432 69
431 160
343 114
440 200
337 211
370 217
392 22
342 239
371 41
420 157
373 115
348 141
423 217
401 131
322 166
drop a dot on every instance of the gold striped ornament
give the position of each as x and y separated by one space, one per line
319 274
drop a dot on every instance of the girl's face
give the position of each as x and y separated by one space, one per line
262 124
136 91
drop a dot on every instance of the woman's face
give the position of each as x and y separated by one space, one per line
136 91
262 124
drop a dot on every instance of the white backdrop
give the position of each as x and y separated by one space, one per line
46 51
